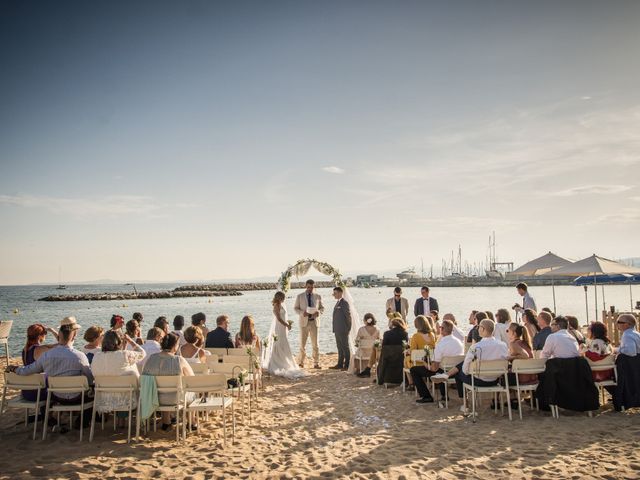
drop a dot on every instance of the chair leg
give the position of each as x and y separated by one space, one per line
37 414
519 404
509 403
93 419
130 415
82 416
224 423
46 416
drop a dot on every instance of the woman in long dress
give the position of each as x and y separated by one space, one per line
278 358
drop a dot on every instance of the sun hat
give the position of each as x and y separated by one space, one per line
70 322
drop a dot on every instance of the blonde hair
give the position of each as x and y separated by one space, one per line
398 322
422 324
278 298
247 329
194 335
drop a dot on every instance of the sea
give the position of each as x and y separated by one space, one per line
20 304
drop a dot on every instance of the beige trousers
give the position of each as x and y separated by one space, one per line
311 330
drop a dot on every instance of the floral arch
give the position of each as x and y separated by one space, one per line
301 267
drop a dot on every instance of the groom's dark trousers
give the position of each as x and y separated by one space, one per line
344 354
341 328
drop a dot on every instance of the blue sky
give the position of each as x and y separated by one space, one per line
201 140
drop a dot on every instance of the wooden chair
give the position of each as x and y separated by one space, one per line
13 381
416 355
488 368
108 384
530 366
5 330
214 397
74 384
447 364
607 363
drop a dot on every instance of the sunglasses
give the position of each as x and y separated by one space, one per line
621 322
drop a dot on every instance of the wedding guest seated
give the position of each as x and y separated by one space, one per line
178 325
424 337
117 322
598 347
392 353
93 336
152 344
549 311
114 360
574 329
530 321
457 333
488 348
434 318
503 321
368 332
520 348
192 350
474 319
627 392
220 337
133 330
33 349
138 317
544 321
199 320
162 323
167 363
560 344
247 336
630 338
490 316
62 361
447 346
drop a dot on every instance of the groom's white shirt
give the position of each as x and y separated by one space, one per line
301 306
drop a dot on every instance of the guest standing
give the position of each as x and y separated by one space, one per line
398 303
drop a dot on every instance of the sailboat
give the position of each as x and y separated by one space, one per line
60 285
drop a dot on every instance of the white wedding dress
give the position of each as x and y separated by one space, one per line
278 359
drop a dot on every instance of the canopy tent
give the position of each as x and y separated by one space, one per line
619 279
541 265
596 266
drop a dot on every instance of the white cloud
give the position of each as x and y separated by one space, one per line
593 190
635 199
114 205
332 169
626 216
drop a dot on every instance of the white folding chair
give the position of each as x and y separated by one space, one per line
240 351
171 384
5 330
416 356
446 364
77 384
364 344
254 377
112 384
199 368
214 397
230 370
218 351
529 366
607 363
13 381
488 368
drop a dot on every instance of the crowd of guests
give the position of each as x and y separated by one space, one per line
121 350
491 337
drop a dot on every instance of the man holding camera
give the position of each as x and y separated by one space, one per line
527 300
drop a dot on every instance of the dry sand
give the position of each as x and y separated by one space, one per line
333 425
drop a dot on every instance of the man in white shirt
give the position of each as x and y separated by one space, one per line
447 346
630 338
456 333
425 304
503 320
151 344
560 344
488 348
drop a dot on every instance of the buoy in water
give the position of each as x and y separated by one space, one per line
16 311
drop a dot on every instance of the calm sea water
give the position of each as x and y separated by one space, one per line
459 301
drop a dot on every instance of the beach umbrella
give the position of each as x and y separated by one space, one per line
596 266
541 265
619 279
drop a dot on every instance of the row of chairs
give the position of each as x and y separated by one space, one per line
500 368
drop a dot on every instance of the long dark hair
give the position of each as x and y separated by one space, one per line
169 341
531 317
599 330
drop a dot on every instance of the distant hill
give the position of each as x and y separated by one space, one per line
633 262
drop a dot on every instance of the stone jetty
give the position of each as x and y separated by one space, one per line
246 287
139 296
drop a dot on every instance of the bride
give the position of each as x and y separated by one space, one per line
277 358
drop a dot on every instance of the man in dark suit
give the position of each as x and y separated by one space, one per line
425 304
341 329
220 337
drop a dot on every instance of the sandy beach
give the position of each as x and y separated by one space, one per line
333 425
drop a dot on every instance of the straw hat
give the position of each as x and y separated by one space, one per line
70 322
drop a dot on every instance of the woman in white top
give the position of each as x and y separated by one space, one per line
192 350
114 360
365 338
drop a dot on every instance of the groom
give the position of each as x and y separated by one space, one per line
341 329
309 322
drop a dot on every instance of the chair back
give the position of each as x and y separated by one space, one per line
528 366
116 383
218 351
211 359
73 384
24 382
243 361
607 363
228 369
168 383
215 382
242 351
5 328
417 355
536 353
489 368
199 368
451 361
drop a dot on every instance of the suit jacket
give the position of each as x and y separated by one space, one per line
341 317
218 338
404 306
301 306
418 308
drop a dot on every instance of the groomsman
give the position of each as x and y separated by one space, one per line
425 304
398 303
341 329
309 322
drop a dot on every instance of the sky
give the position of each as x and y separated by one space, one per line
199 140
